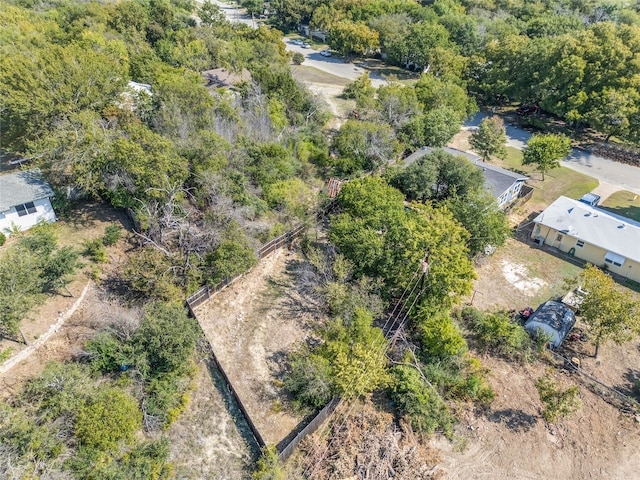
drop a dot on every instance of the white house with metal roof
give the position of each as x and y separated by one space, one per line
591 234
25 200
504 185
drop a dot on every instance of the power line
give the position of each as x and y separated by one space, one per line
382 349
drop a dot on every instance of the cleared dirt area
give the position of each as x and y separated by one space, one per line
512 440
251 326
519 275
210 439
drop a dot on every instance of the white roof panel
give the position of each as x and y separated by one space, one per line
598 227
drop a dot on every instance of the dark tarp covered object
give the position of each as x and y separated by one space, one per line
552 319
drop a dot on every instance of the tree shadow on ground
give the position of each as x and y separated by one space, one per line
515 420
631 376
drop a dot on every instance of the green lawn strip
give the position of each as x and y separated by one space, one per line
557 182
624 203
305 73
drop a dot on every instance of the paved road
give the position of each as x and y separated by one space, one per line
333 65
625 177
235 14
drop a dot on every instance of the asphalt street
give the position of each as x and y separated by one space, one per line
626 177
616 174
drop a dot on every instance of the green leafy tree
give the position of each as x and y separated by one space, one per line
167 336
441 337
546 151
440 126
297 58
456 176
418 179
229 259
351 38
490 138
361 88
254 7
421 402
58 267
365 145
609 312
480 215
558 403
356 353
107 419
211 14
434 93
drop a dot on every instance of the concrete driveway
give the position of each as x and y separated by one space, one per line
616 176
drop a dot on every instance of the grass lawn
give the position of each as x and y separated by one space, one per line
626 204
314 75
557 182
542 276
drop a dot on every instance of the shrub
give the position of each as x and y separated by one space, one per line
557 403
309 380
107 419
423 404
297 58
3 239
95 250
440 336
112 234
269 467
496 332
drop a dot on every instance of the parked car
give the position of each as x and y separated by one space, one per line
325 53
305 45
297 42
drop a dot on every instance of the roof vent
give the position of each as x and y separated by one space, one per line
588 214
622 225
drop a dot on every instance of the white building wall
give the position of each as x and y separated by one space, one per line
44 212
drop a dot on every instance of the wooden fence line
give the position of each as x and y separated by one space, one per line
311 427
254 430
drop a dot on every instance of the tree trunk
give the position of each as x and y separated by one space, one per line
606 140
595 355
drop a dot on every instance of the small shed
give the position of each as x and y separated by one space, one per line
552 319
24 201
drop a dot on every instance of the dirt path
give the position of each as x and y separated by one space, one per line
54 328
251 326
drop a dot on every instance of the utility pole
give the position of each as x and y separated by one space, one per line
425 270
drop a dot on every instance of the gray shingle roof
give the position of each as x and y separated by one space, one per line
22 187
497 180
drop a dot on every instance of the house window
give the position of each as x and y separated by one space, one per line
559 238
580 244
26 209
613 259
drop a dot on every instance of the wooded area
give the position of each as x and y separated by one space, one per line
109 101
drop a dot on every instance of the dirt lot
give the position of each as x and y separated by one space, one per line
512 441
210 439
251 326
519 275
